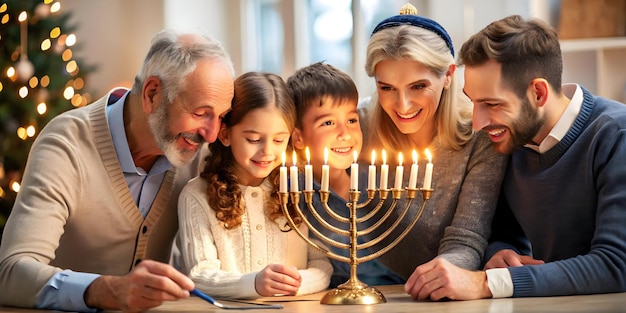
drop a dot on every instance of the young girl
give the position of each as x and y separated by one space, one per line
233 238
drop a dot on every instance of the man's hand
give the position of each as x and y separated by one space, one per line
146 286
440 279
507 258
277 279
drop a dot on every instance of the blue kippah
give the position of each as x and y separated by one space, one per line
418 21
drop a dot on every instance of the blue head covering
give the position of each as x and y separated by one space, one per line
408 16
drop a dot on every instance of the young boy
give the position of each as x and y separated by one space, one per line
327 118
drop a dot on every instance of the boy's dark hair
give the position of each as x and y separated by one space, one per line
311 84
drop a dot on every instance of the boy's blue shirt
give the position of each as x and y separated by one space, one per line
371 272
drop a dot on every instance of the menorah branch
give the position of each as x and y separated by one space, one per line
353 291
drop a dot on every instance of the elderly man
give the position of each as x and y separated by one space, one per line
92 227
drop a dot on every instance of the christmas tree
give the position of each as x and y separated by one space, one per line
40 77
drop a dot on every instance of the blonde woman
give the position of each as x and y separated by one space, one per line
419 105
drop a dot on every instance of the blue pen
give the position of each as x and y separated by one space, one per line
248 305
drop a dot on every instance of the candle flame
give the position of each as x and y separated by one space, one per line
373 157
400 158
284 157
414 156
325 155
384 156
293 157
308 155
355 155
429 156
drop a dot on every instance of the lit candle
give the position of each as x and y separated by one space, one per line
354 172
413 176
371 177
384 172
283 175
428 175
293 174
325 170
399 172
308 172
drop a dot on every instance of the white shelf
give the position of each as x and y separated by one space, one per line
599 64
574 45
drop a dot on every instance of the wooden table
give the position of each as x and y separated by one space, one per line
398 301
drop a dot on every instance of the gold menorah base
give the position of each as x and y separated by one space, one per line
356 295
353 291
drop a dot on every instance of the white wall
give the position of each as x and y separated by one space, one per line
114 35
219 19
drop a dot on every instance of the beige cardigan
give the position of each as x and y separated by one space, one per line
75 211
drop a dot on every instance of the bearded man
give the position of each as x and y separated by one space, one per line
93 224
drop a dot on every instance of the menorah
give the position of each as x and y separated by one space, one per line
354 291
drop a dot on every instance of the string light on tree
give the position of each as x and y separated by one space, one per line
42 108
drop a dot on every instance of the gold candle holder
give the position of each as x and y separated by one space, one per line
354 291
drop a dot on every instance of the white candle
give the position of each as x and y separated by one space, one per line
384 172
283 175
428 175
399 172
308 172
413 176
293 174
354 173
325 170
371 177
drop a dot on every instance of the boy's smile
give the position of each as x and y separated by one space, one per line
333 125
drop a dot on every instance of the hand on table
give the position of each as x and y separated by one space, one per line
277 279
508 258
146 286
440 279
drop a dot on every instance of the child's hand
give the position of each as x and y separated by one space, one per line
277 279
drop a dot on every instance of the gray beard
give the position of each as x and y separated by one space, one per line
166 141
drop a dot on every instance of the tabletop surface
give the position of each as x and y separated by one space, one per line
399 301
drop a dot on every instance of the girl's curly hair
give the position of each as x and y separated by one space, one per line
253 90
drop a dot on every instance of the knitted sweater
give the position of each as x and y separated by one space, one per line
571 204
456 222
224 262
74 210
